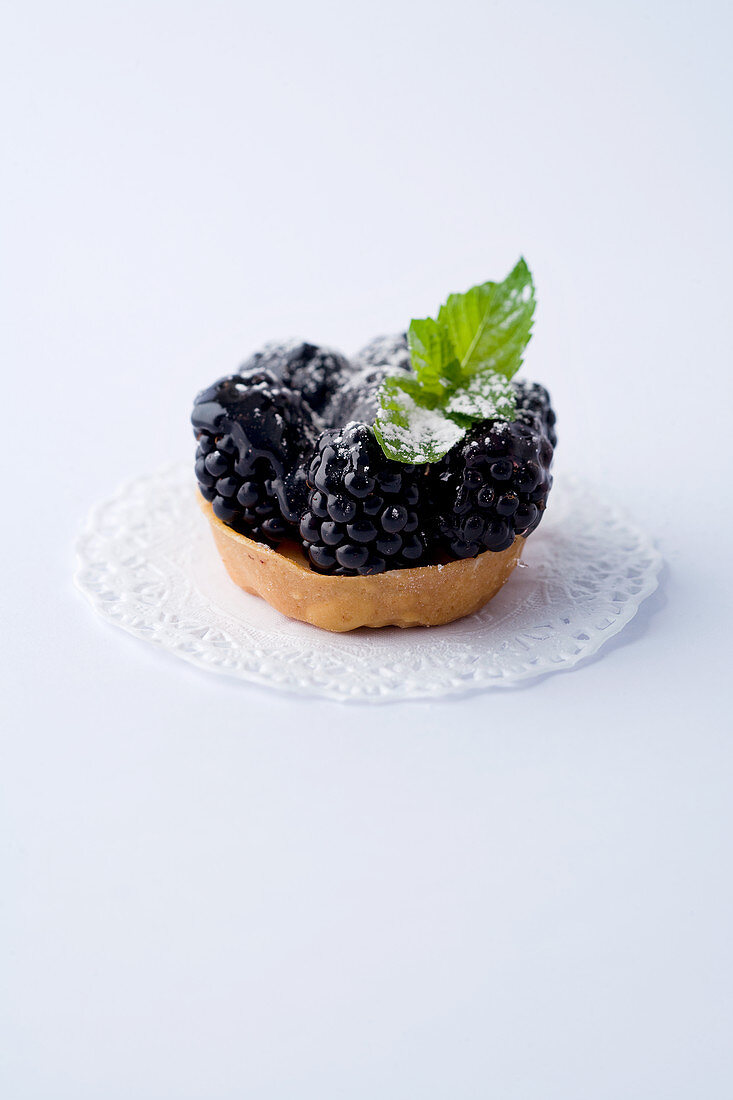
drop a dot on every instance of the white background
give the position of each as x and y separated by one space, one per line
213 892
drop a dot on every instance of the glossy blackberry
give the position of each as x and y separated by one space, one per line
363 513
533 400
253 435
356 399
316 373
492 486
391 351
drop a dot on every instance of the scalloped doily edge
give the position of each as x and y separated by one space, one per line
455 688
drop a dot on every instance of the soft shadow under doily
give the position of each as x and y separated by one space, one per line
147 563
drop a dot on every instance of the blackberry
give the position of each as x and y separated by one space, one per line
494 484
357 398
363 510
391 351
533 400
313 372
253 435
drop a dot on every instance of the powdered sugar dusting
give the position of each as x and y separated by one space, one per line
416 433
465 404
487 396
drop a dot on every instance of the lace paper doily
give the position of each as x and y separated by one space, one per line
147 563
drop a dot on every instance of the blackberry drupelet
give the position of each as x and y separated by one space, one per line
252 435
494 484
363 510
316 373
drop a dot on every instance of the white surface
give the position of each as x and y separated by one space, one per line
213 892
147 564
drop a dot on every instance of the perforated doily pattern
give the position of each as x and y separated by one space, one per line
147 563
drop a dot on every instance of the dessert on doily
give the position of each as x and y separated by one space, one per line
397 487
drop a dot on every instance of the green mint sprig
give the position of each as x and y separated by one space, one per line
462 363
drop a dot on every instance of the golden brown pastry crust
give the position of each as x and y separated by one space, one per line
426 596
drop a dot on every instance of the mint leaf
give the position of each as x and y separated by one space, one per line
488 396
411 432
433 356
462 363
490 325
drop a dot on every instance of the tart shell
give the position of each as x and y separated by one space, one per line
429 595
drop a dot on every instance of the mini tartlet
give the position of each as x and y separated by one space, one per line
397 488
428 595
